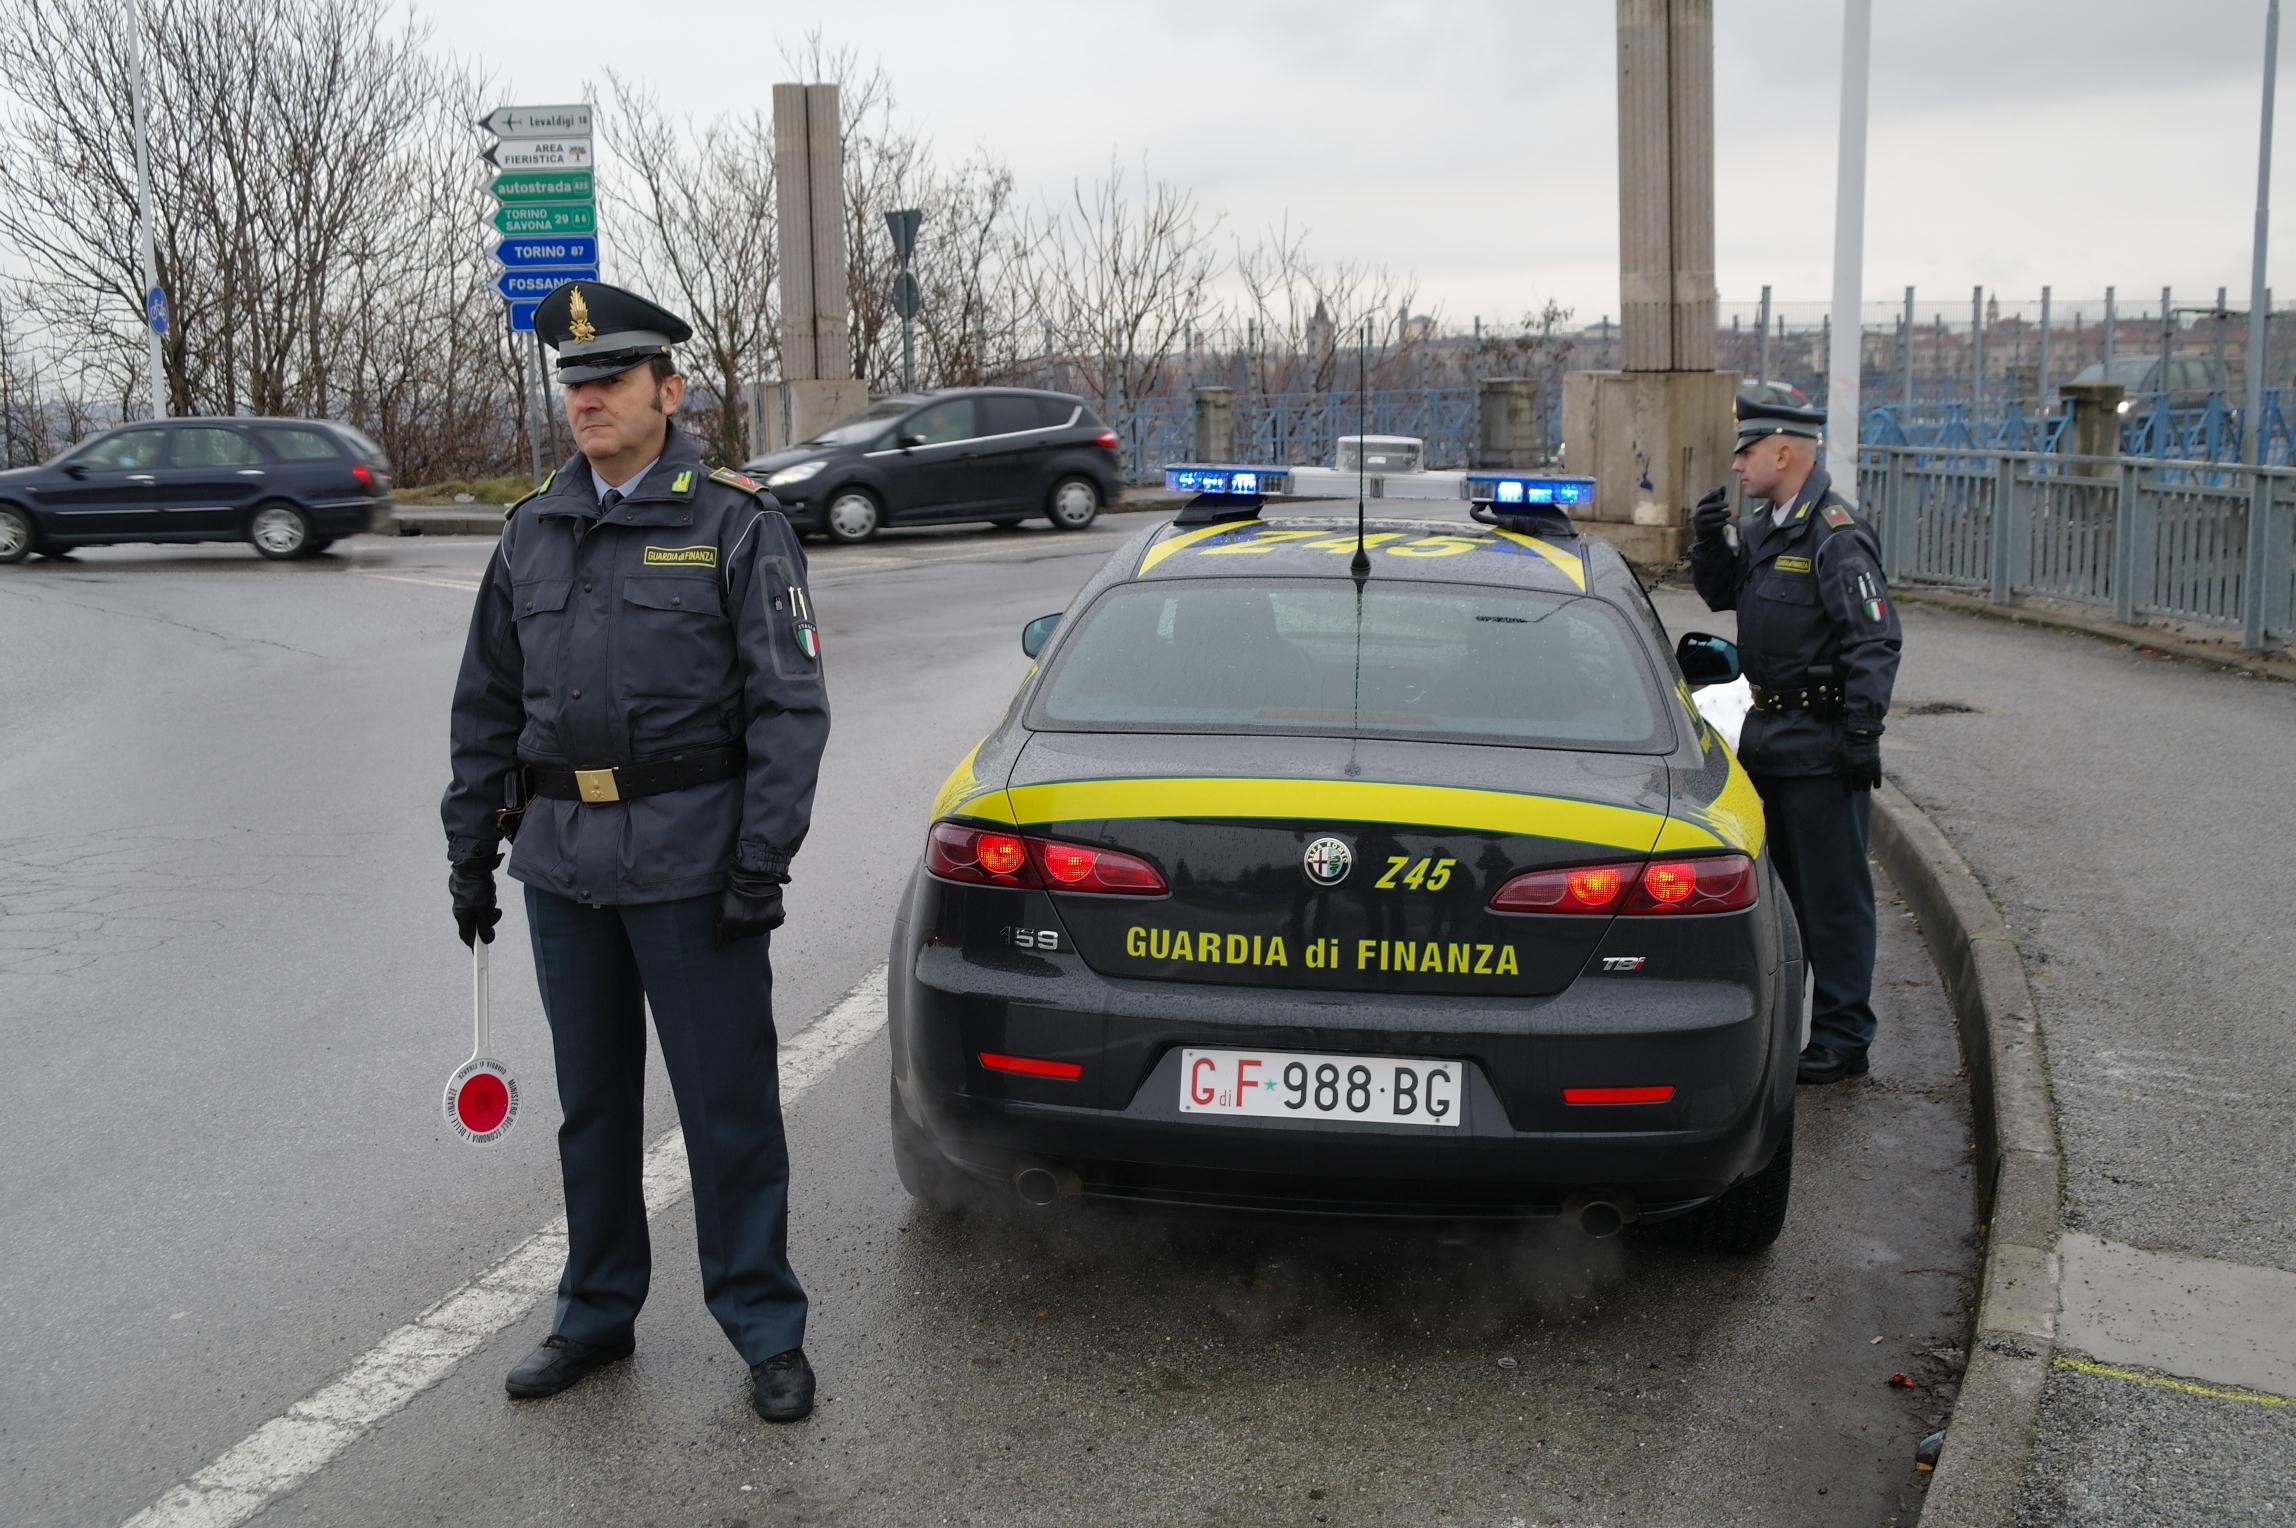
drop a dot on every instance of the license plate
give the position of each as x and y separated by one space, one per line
1371 1090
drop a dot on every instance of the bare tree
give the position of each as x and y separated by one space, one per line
703 198
1308 326
1120 274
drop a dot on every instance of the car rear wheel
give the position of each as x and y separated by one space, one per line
279 531
16 536
852 517
1075 502
1748 1217
924 1172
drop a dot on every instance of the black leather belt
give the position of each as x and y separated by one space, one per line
1824 699
650 777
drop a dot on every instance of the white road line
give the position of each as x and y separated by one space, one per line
296 1445
470 587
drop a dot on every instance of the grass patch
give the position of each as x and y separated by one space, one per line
508 489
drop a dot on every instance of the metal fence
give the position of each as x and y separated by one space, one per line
1303 428
2191 540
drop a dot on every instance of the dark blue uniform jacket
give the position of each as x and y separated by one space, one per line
1812 610
677 620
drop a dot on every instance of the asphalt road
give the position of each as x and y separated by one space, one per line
229 996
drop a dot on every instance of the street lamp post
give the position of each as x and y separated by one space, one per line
153 303
2252 396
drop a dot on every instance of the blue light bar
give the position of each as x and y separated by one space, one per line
1196 478
1531 489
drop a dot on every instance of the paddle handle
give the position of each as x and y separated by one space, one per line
478 994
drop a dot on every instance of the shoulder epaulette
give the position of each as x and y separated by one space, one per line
1836 517
738 480
540 489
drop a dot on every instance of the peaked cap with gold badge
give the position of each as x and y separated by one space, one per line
1759 421
600 330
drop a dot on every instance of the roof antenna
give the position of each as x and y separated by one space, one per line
1359 568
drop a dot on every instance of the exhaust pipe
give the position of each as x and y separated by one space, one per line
1599 1215
1040 1185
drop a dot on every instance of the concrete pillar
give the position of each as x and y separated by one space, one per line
2096 426
1507 422
818 388
1215 424
1656 434
1666 184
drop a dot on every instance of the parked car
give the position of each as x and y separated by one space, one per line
999 454
2190 382
288 487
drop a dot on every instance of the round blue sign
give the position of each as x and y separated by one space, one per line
155 309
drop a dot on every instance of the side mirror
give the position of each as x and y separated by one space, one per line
1036 633
1706 659
76 469
911 438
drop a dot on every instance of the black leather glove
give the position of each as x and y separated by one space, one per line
471 884
1858 760
1711 515
751 905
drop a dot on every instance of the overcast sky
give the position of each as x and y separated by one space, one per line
1475 142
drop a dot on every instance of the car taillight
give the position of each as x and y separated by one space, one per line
1722 883
365 477
1105 440
988 857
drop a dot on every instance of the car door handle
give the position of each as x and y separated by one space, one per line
251 472
141 477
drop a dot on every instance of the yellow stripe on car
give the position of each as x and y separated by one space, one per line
1181 542
1419 806
1574 568
961 785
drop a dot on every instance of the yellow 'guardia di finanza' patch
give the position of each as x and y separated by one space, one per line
681 556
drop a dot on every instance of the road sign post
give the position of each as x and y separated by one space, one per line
903 224
548 218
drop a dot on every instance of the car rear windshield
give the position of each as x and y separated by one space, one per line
1444 662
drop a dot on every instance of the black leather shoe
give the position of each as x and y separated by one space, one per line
781 1388
560 1362
1822 1063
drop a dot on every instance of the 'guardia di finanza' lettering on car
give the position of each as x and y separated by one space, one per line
1204 946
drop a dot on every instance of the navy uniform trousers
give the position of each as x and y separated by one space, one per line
1818 842
599 969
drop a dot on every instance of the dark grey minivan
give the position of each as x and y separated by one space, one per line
287 487
999 454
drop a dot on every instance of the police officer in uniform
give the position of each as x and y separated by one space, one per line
1820 644
641 709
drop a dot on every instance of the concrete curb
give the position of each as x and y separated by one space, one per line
1989 1444
486 520
2214 654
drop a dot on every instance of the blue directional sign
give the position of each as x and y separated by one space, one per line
155 309
522 317
521 254
534 285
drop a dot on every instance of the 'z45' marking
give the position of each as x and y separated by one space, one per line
1423 874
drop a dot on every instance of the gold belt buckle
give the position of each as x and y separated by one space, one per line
596 785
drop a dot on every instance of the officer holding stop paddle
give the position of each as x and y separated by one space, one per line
642 686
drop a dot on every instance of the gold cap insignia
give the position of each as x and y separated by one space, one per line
583 329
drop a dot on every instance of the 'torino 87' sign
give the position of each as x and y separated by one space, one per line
580 249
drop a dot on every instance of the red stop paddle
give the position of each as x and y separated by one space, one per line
481 1096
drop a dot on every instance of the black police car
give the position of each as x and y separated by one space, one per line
999 454
1428 895
288 487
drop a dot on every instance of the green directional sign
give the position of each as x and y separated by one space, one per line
543 186
528 219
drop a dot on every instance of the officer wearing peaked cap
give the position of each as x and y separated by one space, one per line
641 708
1820 640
